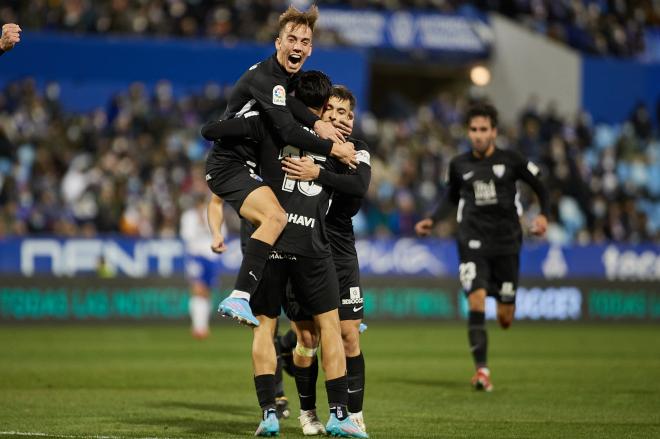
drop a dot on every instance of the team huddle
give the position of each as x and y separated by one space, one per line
284 159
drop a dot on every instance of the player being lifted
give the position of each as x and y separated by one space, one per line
230 172
482 183
350 186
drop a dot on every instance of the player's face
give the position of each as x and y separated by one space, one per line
337 111
293 47
482 134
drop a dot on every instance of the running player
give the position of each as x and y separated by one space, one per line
230 172
482 183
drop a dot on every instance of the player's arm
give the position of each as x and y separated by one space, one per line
215 216
529 173
325 130
240 127
355 184
290 131
446 205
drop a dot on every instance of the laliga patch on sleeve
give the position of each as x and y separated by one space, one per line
531 167
279 95
363 156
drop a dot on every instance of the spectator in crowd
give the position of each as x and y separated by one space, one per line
129 168
598 27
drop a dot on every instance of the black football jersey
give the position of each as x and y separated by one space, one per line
264 89
485 192
344 207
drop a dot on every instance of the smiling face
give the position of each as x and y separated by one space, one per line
338 110
482 135
293 46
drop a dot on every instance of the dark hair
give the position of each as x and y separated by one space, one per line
313 88
482 109
299 18
342 93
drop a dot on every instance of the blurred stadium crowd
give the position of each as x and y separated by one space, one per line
132 167
601 27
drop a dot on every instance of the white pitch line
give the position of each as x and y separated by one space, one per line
71 436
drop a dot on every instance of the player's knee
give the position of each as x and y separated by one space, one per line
351 340
505 321
308 339
276 218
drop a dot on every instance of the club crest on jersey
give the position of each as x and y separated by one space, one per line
279 95
498 170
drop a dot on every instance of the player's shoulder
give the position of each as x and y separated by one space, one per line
511 155
359 144
461 158
362 151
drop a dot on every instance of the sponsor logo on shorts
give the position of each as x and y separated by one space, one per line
355 297
357 308
474 244
256 177
507 290
208 177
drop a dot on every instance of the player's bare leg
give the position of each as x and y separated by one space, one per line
306 373
505 313
263 210
350 334
264 362
199 307
478 338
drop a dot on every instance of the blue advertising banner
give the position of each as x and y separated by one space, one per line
404 30
387 257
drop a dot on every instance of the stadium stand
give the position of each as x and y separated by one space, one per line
130 168
599 27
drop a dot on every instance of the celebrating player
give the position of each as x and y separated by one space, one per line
303 257
340 109
230 172
482 183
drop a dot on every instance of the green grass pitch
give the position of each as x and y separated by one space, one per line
138 381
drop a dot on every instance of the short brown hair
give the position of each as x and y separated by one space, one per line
299 18
342 93
482 109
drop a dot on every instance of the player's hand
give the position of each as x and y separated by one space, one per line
218 245
11 34
424 227
345 153
539 226
301 169
326 130
344 126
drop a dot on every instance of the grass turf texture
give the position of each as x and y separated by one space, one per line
551 381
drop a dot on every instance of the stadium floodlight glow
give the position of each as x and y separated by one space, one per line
480 75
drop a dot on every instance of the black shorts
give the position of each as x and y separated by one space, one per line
498 275
233 181
313 287
351 300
